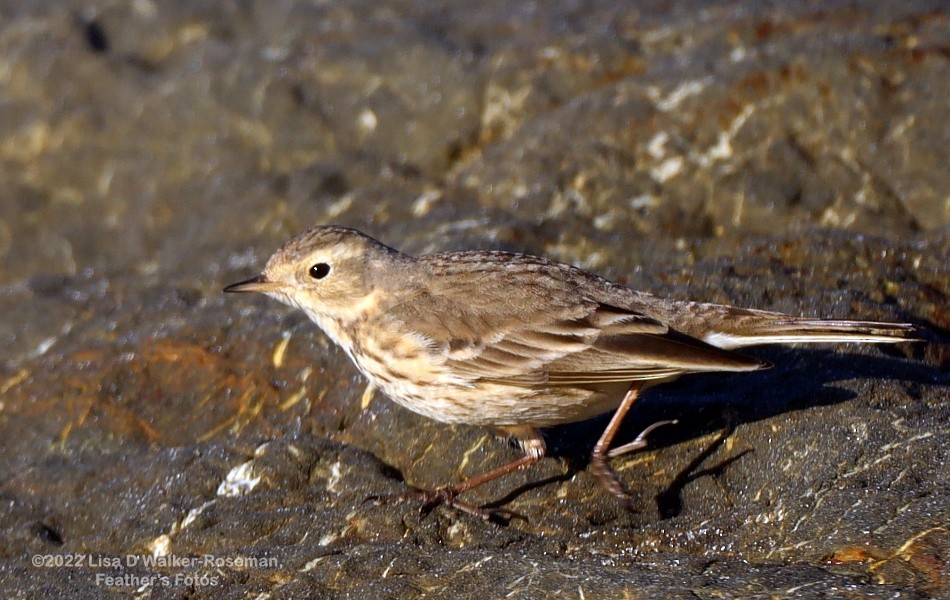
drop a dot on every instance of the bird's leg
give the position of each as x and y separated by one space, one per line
530 441
598 459
640 442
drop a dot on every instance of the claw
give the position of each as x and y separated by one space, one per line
608 479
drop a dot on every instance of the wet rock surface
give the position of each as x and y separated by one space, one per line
786 157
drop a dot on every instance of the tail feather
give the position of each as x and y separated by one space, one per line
794 330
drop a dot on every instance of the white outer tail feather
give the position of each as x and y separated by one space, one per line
816 331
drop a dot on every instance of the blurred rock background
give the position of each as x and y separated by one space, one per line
785 156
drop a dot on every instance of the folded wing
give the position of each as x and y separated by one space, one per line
606 345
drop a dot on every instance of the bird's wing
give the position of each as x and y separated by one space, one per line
529 323
558 351
603 344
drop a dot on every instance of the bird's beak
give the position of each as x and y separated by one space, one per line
255 284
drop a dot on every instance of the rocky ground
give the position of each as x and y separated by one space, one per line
785 156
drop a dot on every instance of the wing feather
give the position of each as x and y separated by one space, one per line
606 345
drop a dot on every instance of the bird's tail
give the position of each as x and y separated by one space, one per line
782 329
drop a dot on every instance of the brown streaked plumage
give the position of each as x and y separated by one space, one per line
516 342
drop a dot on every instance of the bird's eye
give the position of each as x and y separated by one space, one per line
319 270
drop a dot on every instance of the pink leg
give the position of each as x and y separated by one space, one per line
598 459
532 443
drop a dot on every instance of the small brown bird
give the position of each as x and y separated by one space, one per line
516 342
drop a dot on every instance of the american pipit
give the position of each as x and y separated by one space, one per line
516 342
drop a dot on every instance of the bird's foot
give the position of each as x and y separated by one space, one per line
443 496
609 480
606 475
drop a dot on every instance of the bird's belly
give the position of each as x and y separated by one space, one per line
494 405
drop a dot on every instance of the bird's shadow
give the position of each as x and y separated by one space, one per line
717 404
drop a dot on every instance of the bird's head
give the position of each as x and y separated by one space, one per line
327 271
